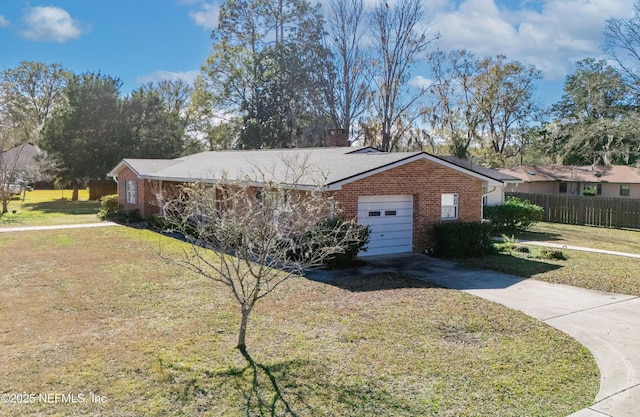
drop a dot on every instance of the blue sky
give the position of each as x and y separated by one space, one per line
148 40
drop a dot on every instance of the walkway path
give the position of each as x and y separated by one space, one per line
580 248
56 227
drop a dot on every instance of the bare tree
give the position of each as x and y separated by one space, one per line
487 102
6 169
349 85
454 114
623 45
400 35
505 94
253 238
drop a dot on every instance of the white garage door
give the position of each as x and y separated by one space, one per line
391 219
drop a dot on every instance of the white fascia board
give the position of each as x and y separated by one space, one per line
489 181
115 171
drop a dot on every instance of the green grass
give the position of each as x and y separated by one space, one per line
50 207
592 237
96 310
581 269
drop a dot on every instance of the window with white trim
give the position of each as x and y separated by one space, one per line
449 206
131 189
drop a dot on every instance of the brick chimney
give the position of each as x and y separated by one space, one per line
336 137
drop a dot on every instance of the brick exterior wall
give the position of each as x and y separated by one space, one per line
425 181
127 175
146 198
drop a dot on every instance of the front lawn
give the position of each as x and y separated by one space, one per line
581 269
621 240
50 207
610 273
96 312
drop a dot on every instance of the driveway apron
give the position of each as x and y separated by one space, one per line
607 324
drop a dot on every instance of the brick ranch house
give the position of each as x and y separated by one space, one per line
399 195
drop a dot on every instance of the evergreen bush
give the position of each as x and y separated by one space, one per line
463 239
515 214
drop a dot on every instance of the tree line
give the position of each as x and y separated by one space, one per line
85 125
283 71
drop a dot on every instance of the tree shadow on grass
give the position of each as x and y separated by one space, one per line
256 389
293 388
64 206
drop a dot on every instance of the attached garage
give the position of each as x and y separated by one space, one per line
390 218
401 195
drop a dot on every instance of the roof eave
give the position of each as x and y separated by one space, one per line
337 185
118 168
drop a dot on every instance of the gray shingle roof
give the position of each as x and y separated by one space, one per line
327 166
491 173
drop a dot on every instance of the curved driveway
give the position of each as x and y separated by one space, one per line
607 324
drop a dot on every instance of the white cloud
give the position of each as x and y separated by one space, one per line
206 16
188 76
550 34
420 82
3 21
50 24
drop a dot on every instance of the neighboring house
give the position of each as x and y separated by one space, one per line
493 195
400 195
17 164
607 181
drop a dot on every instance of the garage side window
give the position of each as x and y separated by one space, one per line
449 206
131 188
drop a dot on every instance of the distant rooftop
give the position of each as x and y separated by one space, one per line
596 173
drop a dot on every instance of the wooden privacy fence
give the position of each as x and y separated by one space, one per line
100 188
586 210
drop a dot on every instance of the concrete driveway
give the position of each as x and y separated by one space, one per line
607 324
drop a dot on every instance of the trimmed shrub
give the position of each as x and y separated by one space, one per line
133 216
110 208
463 240
157 221
514 215
337 228
551 254
589 192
